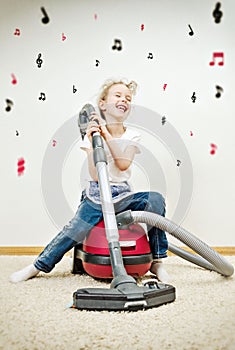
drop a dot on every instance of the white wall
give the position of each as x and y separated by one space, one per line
179 60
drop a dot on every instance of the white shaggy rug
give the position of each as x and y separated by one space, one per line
35 316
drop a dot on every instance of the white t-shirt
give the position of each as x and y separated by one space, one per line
130 137
118 179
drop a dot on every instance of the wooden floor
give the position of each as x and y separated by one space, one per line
20 250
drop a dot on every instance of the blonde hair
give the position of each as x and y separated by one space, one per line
132 86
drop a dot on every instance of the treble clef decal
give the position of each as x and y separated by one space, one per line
39 61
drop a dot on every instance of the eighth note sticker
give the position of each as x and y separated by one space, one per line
219 89
45 18
213 148
9 105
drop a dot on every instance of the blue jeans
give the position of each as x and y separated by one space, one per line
89 214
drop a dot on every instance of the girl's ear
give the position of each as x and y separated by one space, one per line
102 105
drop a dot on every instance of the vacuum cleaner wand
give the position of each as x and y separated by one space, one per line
111 229
100 161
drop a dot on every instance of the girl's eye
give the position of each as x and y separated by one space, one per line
128 98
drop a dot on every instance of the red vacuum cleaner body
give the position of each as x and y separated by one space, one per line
93 255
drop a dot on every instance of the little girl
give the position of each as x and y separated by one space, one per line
121 145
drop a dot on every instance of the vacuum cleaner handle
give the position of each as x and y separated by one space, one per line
97 141
84 118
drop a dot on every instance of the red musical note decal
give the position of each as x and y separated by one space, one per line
20 165
215 56
63 37
54 142
213 148
17 32
164 87
142 27
14 81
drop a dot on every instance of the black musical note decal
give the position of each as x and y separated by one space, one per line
163 120
74 89
193 98
217 14
150 55
117 45
42 96
191 31
97 63
178 162
45 19
39 61
9 105
219 90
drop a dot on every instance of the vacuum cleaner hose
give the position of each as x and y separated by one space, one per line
208 258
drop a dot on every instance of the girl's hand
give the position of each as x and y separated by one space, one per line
97 124
92 127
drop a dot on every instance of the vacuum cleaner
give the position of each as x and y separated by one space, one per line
124 294
92 256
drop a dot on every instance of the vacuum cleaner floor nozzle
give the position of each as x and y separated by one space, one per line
126 297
